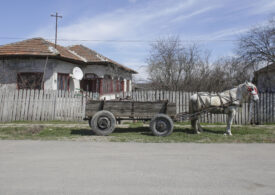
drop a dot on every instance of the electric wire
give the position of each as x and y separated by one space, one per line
125 40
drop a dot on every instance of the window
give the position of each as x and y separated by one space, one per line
30 80
63 81
90 83
122 84
118 85
115 85
107 84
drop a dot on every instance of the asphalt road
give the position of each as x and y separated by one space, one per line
71 167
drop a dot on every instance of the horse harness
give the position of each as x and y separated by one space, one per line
223 105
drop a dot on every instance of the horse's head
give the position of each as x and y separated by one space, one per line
250 91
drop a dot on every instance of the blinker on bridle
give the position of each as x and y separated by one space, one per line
250 90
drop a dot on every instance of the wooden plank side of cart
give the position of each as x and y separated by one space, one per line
131 109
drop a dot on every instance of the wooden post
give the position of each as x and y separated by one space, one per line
100 86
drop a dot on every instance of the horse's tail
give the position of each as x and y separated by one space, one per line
193 108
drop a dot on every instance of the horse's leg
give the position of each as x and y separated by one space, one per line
200 127
194 123
193 108
230 118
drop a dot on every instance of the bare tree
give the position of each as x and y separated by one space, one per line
164 69
228 72
258 45
174 67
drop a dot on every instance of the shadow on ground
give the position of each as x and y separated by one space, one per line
83 132
140 130
213 131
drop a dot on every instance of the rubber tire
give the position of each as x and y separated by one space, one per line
94 123
164 118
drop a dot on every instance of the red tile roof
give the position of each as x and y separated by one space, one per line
36 47
92 56
41 47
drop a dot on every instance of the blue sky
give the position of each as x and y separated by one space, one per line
213 24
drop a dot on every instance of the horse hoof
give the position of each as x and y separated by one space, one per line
229 134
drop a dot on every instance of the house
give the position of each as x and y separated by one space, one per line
264 78
38 64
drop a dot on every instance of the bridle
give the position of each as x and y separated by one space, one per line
252 90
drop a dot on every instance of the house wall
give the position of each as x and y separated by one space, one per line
266 81
10 67
67 68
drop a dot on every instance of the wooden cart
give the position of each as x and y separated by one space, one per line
102 115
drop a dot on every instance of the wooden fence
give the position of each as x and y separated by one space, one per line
41 105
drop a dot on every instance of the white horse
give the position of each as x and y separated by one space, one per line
226 102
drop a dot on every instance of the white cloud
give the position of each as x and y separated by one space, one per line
148 20
226 33
194 13
135 23
138 23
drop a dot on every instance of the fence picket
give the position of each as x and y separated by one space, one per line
14 105
2 92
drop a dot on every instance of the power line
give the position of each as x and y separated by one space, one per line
144 41
126 40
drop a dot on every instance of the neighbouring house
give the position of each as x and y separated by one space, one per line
38 64
264 78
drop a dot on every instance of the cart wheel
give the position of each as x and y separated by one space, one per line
103 123
161 125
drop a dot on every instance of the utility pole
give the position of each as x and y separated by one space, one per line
56 18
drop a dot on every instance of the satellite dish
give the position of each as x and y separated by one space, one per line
77 73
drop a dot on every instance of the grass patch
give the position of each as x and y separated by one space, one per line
35 132
45 122
136 132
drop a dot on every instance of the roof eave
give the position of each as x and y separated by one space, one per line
110 63
44 55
